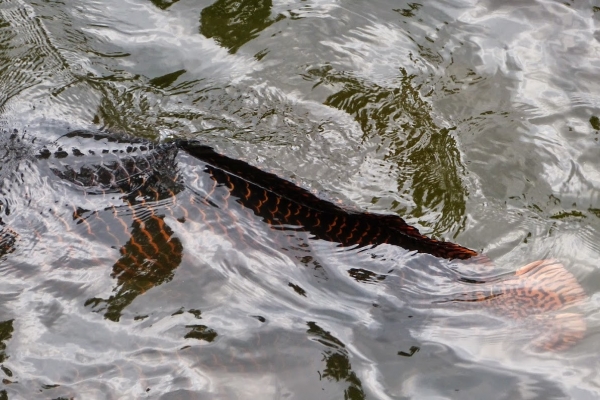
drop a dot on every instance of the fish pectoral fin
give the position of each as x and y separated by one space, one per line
559 331
549 286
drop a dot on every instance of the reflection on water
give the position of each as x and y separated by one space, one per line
426 155
163 5
27 54
337 364
146 272
232 23
6 330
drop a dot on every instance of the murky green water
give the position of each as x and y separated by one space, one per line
477 122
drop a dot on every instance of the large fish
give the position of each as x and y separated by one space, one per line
142 175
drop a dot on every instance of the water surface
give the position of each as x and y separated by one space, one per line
476 121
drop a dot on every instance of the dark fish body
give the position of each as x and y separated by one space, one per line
137 169
282 204
130 189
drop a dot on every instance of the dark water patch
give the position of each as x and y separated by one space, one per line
200 332
234 23
427 156
164 4
166 80
595 122
6 331
338 368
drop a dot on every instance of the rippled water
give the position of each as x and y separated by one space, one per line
477 122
